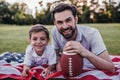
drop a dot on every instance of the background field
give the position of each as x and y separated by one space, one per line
15 38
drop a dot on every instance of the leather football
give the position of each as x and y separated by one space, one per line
71 64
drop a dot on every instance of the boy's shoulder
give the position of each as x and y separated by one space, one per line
29 48
48 46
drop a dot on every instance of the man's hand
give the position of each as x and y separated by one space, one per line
75 47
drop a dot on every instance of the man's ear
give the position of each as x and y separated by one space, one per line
54 23
76 19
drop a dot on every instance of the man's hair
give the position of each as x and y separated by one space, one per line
38 28
62 7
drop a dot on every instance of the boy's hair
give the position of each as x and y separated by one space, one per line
62 7
38 28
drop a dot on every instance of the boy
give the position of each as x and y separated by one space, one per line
39 52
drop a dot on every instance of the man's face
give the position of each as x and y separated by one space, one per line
66 23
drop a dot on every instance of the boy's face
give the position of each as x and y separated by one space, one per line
66 23
39 40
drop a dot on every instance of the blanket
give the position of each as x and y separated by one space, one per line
11 68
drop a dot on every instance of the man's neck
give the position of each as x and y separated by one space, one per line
73 37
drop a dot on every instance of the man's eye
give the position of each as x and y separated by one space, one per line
68 20
59 22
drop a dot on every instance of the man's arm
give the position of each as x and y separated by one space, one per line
101 62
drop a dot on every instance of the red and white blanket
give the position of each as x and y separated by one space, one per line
14 71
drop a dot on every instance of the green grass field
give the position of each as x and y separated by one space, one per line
15 38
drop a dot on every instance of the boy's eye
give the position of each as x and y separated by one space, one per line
34 39
43 38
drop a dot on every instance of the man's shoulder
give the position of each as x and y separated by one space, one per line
55 32
86 29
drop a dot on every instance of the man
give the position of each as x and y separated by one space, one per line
73 38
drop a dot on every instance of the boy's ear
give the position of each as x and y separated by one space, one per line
48 40
29 40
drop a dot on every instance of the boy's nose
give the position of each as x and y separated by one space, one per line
38 41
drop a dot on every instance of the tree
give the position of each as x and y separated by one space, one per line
44 16
5 13
21 17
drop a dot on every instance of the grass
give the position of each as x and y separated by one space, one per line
15 38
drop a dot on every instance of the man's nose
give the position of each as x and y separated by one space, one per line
64 25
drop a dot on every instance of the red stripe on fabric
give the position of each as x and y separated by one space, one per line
36 72
3 76
88 77
55 74
116 59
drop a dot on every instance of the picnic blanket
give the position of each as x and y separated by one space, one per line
11 67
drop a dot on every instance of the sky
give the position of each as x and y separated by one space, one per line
31 3
34 3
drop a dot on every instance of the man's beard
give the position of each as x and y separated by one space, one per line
67 36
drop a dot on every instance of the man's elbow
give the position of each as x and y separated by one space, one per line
112 68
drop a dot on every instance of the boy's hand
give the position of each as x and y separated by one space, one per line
58 67
24 73
46 72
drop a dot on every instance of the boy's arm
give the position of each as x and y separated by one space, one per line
51 67
49 70
58 55
25 70
58 66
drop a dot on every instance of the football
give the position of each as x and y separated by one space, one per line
71 64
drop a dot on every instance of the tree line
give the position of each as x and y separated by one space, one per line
18 13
